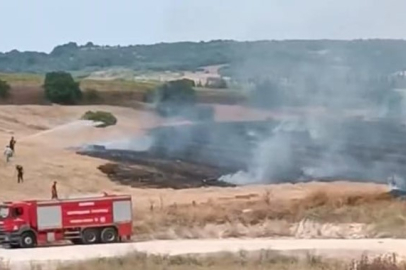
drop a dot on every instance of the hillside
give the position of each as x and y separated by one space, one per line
245 59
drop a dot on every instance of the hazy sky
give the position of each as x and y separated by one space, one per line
43 24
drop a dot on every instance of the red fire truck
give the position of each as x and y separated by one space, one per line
91 220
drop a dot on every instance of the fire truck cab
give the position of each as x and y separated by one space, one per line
91 220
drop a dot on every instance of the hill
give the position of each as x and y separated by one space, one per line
244 59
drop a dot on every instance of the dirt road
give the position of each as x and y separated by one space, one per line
48 256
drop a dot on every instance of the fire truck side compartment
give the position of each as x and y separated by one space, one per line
49 217
122 211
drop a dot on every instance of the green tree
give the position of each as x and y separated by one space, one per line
61 88
4 89
173 97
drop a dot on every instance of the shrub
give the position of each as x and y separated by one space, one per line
4 89
61 88
107 119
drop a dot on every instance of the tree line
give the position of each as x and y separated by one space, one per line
246 60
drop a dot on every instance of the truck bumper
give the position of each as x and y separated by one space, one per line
4 238
9 238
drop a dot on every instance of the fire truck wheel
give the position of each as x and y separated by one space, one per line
90 236
109 235
27 240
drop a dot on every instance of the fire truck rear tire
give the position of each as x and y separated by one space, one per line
109 235
90 236
28 240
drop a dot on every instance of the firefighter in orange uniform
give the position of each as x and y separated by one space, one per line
54 192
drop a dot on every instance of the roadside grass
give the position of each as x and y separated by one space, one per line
242 260
225 261
265 216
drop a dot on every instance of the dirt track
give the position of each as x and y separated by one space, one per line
21 259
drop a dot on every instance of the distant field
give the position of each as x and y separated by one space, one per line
22 79
26 89
34 80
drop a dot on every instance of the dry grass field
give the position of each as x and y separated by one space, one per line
335 210
322 213
311 210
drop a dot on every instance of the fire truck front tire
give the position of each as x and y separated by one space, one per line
28 240
90 236
109 235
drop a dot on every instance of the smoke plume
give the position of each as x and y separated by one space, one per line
356 134
330 119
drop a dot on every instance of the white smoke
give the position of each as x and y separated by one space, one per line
140 144
269 156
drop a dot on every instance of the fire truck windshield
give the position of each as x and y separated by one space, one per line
4 212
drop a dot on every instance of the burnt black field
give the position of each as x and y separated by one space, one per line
327 150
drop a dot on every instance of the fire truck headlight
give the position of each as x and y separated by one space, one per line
15 228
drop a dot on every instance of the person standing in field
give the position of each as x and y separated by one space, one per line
54 191
8 152
12 144
20 174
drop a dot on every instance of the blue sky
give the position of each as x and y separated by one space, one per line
42 24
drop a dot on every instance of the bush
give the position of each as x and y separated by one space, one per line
108 119
61 88
4 89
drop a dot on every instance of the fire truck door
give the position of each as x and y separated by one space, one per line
20 216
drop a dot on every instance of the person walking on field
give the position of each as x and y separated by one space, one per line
12 143
54 192
8 152
20 174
